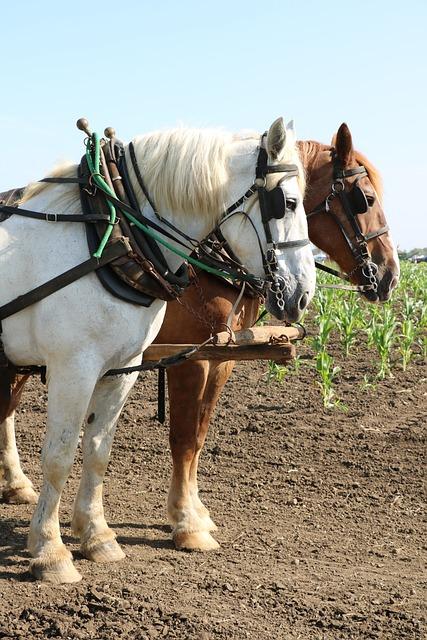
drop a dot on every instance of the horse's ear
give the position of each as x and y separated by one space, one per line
276 139
344 144
334 140
291 127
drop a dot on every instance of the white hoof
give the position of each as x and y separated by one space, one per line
98 550
195 541
60 571
24 495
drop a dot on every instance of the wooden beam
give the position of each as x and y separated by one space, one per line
278 353
258 343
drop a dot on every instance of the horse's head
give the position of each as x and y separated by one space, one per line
274 245
346 218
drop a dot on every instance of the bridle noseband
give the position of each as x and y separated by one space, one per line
354 202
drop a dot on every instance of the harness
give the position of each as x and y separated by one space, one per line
354 202
273 205
104 178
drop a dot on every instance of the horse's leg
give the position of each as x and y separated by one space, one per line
219 373
189 422
18 488
186 384
70 389
98 541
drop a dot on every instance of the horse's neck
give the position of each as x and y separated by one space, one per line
241 175
314 155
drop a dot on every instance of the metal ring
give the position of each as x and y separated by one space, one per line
338 183
371 268
95 173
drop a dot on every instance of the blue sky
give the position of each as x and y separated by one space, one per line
139 66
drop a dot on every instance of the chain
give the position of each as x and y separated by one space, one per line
210 321
370 270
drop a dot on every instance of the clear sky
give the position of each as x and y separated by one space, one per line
144 65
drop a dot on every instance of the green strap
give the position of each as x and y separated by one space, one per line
194 261
93 161
93 148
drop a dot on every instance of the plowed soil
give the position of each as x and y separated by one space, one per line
320 514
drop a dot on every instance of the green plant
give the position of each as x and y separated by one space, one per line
348 321
383 337
328 372
407 339
326 324
276 372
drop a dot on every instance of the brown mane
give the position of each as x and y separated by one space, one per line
373 173
309 150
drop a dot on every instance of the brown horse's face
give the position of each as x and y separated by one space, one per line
324 228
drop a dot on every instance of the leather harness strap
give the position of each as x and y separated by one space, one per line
54 217
116 249
358 244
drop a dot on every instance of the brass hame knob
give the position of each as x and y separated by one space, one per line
110 133
83 125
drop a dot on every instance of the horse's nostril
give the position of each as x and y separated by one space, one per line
303 301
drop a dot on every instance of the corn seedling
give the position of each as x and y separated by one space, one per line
367 384
348 321
407 339
276 372
328 372
320 341
383 336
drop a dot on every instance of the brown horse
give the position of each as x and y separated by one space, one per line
336 225
202 381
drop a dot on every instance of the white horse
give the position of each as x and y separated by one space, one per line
82 331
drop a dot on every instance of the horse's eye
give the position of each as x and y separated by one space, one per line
291 204
370 200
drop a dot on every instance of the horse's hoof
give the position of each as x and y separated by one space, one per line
60 572
195 541
98 551
24 495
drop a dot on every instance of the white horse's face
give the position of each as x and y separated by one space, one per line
295 272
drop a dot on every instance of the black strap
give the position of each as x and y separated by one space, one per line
339 172
333 272
119 248
290 244
60 180
53 217
139 176
375 234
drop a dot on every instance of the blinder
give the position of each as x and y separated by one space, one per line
275 204
358 201
354 202
273 207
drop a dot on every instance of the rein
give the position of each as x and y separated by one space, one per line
354 202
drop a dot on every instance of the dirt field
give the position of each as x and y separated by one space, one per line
320 514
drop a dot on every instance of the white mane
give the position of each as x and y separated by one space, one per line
185 170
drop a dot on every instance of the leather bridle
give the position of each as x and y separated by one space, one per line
272 205
354 202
